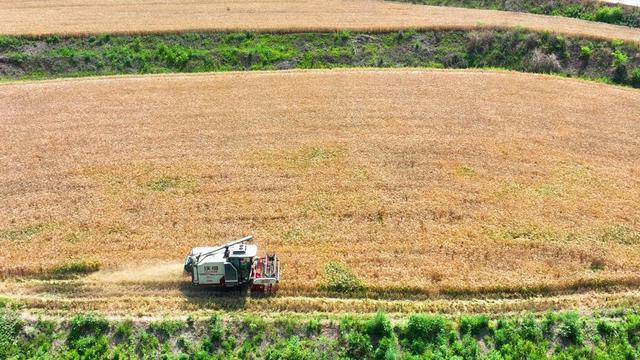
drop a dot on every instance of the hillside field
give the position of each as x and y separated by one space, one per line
420 182
110 16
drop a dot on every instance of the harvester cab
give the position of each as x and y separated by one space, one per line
233 265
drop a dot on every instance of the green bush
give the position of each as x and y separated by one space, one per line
609 14
632 328
339 278
216 328
608 329
585 51
292 349
473 325
422 332
570 328
342 36
314 326
148 345
379 326
86 325
619 58
358 346
635 77
87 336
10 327
386 349
166 328
530 330
124 331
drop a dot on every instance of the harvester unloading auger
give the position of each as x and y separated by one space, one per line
233 265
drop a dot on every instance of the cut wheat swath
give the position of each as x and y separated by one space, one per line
111 16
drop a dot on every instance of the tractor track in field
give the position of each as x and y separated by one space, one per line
114 293
91 17
135 299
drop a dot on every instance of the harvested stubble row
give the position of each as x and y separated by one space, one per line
439 180
112 16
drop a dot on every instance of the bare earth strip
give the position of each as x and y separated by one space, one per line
437 183
117 16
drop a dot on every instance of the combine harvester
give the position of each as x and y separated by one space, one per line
233 265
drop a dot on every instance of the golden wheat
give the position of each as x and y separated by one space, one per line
79 17
451 182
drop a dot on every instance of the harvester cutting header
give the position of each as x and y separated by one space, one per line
232 265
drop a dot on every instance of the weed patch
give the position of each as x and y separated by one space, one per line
339 278
75 267
22 233
165 183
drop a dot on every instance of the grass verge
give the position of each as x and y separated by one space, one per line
558 335
520 50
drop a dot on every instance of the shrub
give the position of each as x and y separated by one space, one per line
632 329
609 14
608 329
148 345
386 349
357 345
216 328
292 349
342 36
10 326
423 331
570 328
87 336
166 328
379 326
314 327
635 77
86 325
53 39
530 330
340 279
542 63
467 348
124 331
619 58
585 51
473 325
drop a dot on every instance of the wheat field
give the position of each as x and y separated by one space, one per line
442 181
18 17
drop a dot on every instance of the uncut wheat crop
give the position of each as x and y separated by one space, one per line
111 16
437 180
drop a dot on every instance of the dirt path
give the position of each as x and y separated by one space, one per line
92 16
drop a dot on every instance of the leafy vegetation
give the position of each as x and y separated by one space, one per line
563 335
75 267
519 50
22 233
590 10
339 278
